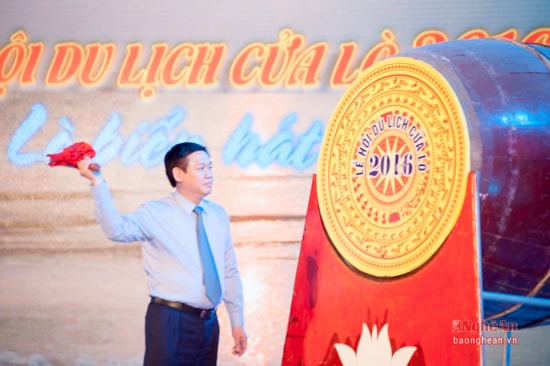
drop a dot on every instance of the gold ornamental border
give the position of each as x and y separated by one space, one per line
393 168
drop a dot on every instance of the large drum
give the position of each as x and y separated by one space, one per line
419 123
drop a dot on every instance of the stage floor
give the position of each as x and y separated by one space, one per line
87 308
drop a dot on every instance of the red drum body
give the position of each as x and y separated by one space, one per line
504 89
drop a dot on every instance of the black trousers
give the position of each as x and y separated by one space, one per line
173 337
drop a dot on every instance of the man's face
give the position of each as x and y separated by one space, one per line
196 182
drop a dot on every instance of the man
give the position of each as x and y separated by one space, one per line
181 326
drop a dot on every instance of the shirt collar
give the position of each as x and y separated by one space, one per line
186 205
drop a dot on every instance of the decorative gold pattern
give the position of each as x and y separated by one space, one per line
393 166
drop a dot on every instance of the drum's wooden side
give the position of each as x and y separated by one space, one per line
504 89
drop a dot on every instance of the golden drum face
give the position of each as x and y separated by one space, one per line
393 168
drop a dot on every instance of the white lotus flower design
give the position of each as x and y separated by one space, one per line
374 350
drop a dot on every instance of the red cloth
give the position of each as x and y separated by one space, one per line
71 155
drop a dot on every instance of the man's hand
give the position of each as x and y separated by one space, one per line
94 176
239 335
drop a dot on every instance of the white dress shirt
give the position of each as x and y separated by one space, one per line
166 229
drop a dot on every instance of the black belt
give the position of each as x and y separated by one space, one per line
201 313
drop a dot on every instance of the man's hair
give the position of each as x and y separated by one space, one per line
177 157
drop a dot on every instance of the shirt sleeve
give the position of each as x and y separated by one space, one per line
233 297
117 227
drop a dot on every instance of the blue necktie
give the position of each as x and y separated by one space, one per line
210 273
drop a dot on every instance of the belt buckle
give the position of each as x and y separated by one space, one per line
205 314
